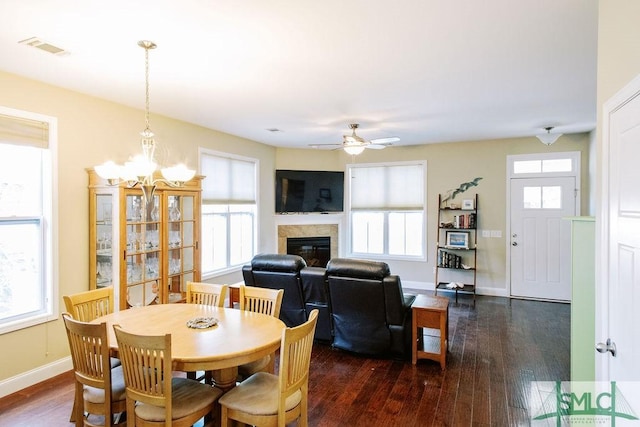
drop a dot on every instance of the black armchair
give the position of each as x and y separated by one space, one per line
279 271
370 313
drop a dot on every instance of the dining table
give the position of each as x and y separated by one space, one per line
218 340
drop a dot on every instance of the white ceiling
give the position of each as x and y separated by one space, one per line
423 70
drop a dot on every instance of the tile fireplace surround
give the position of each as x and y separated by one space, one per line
310 229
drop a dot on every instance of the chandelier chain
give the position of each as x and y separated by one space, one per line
146 79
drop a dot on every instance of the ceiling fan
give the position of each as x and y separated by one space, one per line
354 144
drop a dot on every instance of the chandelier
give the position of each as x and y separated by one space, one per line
140 169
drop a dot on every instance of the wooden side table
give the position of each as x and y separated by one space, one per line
430 329
234 293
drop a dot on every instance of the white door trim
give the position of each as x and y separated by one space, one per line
576 172
629 92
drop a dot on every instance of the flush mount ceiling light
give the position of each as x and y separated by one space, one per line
548 138
139 170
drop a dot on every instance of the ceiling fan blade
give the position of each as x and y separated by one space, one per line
325 145
375 146
385 140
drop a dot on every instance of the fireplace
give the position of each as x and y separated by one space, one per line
329 231
316 251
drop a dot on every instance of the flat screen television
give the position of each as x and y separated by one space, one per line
301 191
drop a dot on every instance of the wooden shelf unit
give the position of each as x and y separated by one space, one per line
451 257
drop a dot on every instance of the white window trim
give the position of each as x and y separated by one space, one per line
236 268
347 193
50 210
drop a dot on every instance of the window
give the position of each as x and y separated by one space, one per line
542 197
229 211
26 218
542 166
387 206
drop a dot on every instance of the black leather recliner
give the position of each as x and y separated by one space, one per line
279 271
370 313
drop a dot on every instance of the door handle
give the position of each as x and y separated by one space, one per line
514 244
609 346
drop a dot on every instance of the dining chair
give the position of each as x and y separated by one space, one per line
99 388
206 293
266 301
266 399
87 306
154 397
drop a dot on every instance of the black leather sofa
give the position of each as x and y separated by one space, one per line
362 307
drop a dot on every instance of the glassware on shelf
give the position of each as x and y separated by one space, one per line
174 211
174 266
155 212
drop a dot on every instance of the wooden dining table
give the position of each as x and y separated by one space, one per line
238 337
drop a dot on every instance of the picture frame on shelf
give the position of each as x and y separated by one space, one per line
457 240
467 204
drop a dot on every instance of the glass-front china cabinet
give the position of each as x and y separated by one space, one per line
146 249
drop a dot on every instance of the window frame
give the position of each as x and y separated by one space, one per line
229 268
386 213
49 226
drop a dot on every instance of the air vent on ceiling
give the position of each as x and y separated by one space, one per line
43 45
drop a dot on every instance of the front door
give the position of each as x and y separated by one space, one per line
618 290
541 238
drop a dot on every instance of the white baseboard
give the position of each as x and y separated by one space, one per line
29 378
428 286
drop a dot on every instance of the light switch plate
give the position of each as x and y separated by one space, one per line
496 233
486 233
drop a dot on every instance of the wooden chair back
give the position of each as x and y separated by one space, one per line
295 357
89 305
261 300
91 364
206 293
143 361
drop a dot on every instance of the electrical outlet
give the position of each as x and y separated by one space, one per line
486 233
496 233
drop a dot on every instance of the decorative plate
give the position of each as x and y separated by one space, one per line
202 322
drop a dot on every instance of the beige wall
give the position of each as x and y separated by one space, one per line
449 165
618 58
91 131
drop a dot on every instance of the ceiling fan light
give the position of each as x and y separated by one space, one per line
354 150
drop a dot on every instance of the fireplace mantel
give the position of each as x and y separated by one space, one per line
310 225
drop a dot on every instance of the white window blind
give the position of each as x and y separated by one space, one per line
23 131
227 181
397 187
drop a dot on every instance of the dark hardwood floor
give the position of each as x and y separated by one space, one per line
496 348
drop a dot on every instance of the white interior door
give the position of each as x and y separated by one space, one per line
541 238
618 290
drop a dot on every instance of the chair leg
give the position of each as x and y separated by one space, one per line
72 417
78 405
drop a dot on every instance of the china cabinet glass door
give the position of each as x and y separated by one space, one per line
181 243
143 250
103 239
